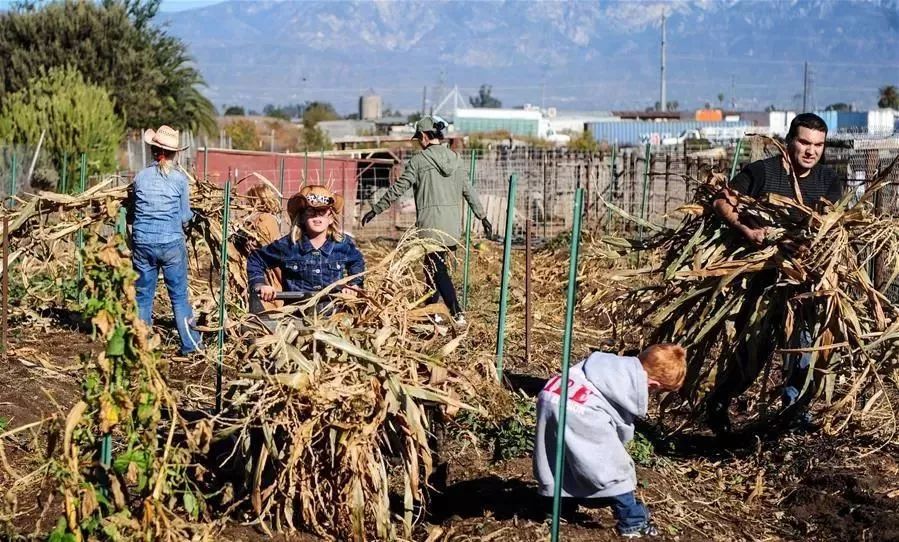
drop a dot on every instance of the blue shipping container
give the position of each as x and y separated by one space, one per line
639 131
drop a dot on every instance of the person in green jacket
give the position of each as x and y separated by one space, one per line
438 181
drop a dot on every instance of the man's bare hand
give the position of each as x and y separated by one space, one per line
794 248
756 236
266 293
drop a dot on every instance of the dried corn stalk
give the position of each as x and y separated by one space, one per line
709 274
320 403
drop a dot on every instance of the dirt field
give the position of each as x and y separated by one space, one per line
810 487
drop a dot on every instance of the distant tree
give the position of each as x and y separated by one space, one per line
889 97
314 139
721 99
235 111
243 135
707 105
583 142
115 45
484 98
672 106
839 106
316 112
76 117
352 116
770 108
414 117
253 113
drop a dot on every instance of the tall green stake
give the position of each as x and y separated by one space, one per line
223 286
737 150
79 239
11 185
507 272
468 218
566 361
65 174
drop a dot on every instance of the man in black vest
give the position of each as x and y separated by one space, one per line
805 147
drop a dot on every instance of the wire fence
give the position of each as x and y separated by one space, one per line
649 182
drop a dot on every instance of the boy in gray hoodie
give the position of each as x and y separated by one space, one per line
606 393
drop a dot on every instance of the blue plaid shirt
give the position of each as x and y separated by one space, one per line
305 268
159 207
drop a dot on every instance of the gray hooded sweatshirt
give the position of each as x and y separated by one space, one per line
439 182
606 394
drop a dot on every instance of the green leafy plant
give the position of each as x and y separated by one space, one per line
642 451
75 116
510 436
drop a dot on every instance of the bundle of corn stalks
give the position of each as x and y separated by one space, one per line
322 403
809 277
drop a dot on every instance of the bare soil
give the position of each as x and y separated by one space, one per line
811 487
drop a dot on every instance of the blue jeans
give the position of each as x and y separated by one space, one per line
796 370
631 514
172 259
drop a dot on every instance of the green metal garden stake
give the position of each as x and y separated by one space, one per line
223 285
79 239
566 361
467 261
11 186
737 151
507 272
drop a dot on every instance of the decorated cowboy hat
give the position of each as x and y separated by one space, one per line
314 197
165 137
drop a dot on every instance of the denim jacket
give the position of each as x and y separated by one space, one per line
305 268
159 206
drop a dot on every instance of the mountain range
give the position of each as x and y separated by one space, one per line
576 54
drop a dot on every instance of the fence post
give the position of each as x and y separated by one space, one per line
646 158
5 321
281 179
566 361
305 166
504 280
223 288
467 262
206 163
668 184
321 167
65 173
613 184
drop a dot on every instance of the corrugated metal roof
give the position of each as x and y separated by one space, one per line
636 132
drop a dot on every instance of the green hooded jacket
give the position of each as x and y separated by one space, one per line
438 181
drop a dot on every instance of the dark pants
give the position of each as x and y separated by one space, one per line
750 357
438 278
631 514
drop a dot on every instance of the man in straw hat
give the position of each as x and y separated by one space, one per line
314 255
159 210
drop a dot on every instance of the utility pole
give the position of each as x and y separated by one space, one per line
663 98
424 100
805 88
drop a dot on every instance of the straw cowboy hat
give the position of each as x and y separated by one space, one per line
314 197
165 137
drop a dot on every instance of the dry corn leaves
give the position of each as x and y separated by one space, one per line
709 275
322 401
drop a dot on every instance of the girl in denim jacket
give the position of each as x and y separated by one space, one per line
314 254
